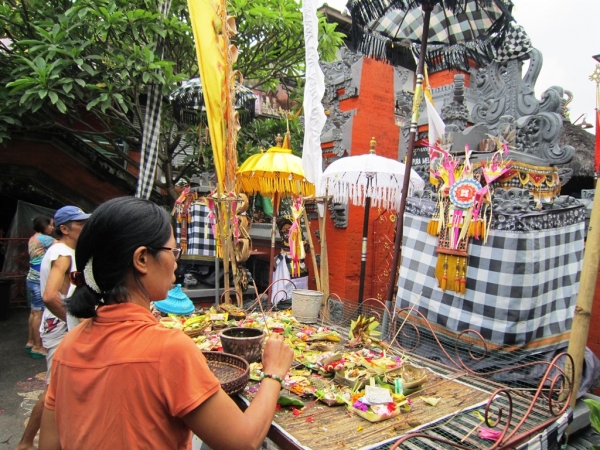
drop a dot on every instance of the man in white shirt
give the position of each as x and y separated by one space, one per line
58 263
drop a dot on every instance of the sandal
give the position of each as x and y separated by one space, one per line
28 348
37 355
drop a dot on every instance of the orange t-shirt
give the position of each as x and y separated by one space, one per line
122 380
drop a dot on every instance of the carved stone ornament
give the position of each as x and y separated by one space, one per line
514 210
502 91
423 204
507 107
537 140
403 104
338 129
456 113
515 200
339 215
341 76
566 211
401 75
588 194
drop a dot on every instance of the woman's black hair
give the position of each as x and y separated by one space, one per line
111 236
40 223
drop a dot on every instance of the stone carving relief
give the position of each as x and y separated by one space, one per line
588 194
401 77
342 80
510 201
403 141
403 104
339 215
343 74
565 174
492 96
502 91
553 100
537 140
508 108
338 129
455 113
513 210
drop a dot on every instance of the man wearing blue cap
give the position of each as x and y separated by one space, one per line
58 263
56 266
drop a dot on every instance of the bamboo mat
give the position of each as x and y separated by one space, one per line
322 427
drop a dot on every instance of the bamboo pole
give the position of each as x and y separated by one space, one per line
324 256
585 298
310 240
312 250
226 248
276 200
427 7
234 271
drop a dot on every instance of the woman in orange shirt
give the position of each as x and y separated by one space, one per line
122 380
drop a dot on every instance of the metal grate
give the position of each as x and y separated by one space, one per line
527 392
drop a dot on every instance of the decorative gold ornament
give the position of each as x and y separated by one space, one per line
595 76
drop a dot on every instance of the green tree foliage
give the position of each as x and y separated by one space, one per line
84 66
260 135
271 42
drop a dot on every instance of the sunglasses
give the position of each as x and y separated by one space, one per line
176 251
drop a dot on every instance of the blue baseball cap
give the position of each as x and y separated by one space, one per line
68 214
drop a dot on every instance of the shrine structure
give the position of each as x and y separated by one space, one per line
519 287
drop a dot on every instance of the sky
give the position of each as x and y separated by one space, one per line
568 35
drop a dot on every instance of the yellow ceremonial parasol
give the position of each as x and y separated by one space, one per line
276 173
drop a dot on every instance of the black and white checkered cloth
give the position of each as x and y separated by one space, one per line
190 97
516 44
151 132
521 286
200 238
445 27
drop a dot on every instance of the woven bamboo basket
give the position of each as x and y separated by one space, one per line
232 371
197 331
194 333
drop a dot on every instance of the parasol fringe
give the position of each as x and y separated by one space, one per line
364 12
380 47
381 196
438 57
267 186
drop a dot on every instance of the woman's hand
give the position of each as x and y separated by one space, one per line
277 356
212 419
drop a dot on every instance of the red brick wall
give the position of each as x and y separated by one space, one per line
446 77
374 118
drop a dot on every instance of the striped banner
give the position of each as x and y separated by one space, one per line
151 132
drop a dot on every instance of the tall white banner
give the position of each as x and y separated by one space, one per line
314 113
